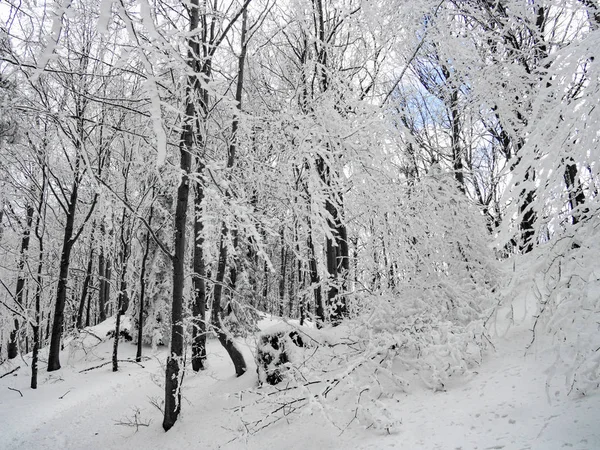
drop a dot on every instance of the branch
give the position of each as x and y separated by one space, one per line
16 390
87 217
218 41
63 396
411 59
110 362
8 373
160 244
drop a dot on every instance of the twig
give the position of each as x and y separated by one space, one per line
8 373
63 396
135 422
16 390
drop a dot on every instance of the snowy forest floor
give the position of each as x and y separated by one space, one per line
504 404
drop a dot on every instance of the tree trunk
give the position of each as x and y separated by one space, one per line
38 290
12 343
86 284
174 370
314 278
575 191
199 306
138 355
291 284
102 285
62 286
122 298
223 335
282 276
265 287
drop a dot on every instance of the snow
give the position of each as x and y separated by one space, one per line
503 405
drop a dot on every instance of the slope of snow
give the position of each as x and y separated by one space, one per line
505 405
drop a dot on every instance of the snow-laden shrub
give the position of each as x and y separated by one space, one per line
563 277
413 336
430 238
432 278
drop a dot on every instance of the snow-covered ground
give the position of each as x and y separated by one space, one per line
503 405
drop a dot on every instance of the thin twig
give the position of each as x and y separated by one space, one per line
16 390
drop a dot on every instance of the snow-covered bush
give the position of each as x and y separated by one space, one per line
413 337
563 278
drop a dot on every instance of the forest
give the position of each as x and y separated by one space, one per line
310 207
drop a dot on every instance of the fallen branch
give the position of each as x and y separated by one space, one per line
63 396
110 362
12 371
16 390
93 334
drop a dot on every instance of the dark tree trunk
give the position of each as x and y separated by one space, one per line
337 263
265 287
86 284
138 355
62 286
282 276
299 279
104 275
314 278
36 325
291 283
575 190
528 219
12 343
107 277
35 328
199 306
115 354
223 335
174 370
87 312
122 298
101 286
